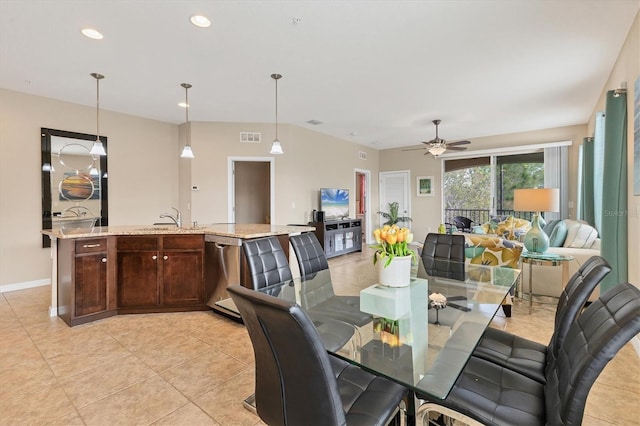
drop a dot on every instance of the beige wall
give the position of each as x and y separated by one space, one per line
427 211
147 176
311 160
142 174
627 69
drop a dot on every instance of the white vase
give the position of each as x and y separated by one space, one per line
397 273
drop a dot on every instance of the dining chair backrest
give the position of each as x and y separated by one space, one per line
267 262
573 298
443 246
294 378
309 253
593 339
437 252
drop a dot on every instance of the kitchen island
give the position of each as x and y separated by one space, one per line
104 271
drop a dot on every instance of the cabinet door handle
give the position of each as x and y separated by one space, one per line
90 245
154 257
165 257
104 260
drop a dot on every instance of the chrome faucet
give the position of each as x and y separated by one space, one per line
177 218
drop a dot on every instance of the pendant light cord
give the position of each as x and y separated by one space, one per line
97 108
186 100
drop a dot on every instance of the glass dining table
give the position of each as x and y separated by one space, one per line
421 335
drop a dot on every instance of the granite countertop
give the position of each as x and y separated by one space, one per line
244 231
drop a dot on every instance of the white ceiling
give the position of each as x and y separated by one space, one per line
381 69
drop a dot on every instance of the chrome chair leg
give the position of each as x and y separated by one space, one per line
427 407
250 403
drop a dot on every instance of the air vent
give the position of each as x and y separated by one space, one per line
362 155
314 122
250 137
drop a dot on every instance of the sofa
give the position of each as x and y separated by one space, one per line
567 237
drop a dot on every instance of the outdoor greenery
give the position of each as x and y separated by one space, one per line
470 188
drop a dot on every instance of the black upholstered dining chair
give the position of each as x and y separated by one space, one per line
437 253
309 253
267 262
529 357
319 297
268 266
490 394
297 382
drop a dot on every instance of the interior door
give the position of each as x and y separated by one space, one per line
395 186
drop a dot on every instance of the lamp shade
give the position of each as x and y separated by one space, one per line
536 200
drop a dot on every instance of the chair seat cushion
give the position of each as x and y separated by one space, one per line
496 395
513 352
334 334
342 308
367 399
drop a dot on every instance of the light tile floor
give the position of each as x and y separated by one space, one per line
194 368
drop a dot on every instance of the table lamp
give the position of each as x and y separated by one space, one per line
537 201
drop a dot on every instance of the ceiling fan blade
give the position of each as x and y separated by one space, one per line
456 148
458 143
414 149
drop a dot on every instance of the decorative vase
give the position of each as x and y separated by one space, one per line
397 273
536 240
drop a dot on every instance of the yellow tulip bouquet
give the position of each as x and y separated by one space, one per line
392 241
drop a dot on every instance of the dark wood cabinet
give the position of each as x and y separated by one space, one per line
339 236
157 272
85 285
183 272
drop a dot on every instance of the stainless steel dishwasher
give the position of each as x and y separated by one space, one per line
222 269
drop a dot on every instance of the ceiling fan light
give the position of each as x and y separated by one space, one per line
437 150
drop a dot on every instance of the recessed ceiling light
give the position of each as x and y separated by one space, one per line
183 105
91 33
315 122
200 21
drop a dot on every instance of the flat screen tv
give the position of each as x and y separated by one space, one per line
334 202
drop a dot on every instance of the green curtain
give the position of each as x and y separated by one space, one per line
587 210
614 198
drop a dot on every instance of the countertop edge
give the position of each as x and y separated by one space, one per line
243 231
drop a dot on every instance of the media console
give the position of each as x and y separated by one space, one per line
339 236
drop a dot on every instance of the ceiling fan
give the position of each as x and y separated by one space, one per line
438 146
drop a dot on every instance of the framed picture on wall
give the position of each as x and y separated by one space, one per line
425 186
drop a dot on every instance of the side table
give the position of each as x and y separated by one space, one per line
543 259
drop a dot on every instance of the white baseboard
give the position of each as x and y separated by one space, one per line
24 285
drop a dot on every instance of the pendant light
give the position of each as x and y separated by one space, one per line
187 152
97 148
276 148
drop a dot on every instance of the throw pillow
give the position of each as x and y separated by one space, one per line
548 228
580 234
558 235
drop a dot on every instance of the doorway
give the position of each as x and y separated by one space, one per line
363 202
251 190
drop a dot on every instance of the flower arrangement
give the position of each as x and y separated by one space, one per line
392 241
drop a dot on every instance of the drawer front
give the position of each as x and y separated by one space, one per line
138 243
183 242
91 245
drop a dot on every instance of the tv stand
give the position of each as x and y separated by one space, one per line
339 236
